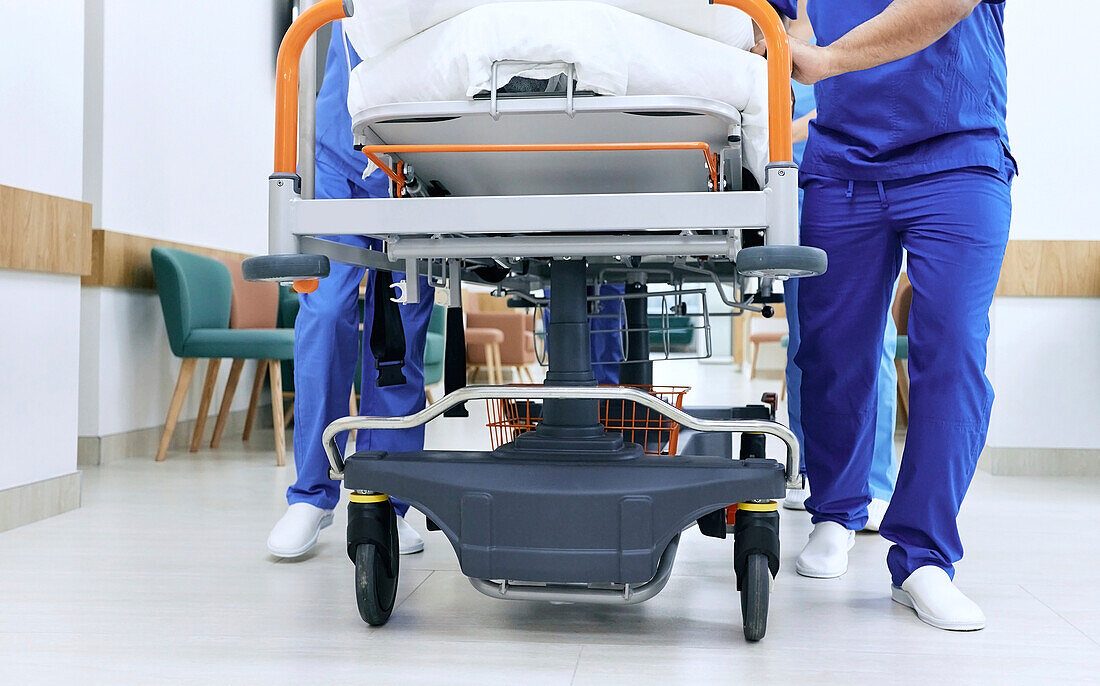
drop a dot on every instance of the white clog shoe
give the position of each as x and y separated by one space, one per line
410 541
876 510
938 602
796 497
826 553
297 531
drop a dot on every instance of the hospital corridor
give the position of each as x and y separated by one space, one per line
548 342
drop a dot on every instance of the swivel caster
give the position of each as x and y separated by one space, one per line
756 562
373 547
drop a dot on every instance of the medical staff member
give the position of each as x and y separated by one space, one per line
884 470
909 151
326 334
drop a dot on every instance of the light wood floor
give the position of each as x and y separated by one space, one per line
162 577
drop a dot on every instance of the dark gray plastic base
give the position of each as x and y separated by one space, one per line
547 520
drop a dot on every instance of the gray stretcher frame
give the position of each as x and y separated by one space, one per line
523 226
611 225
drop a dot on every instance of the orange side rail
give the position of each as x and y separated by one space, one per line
779 74
286 72
372 151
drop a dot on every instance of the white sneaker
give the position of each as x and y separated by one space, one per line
297 531
936 600
826 553
410 541
796 497
876 510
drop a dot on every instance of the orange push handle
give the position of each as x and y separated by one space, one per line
286 72
779 74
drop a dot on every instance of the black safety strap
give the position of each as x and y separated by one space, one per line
387 333
454 368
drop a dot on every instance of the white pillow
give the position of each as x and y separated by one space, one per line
379 24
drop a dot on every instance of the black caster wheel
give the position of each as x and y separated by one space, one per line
373 547
756 582
375 583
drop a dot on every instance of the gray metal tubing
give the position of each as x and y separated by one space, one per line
763 426
629 595
307 109
558 246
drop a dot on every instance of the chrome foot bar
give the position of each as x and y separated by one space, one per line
763 426
561 593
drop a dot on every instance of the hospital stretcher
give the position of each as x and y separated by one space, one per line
559 190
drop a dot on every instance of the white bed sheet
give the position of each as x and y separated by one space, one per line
380 24
615 53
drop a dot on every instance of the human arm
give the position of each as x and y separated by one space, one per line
800 128
902 29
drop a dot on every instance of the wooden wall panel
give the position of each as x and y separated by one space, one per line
1051 269
121 260
44 233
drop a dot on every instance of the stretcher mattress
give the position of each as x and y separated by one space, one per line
380 24
615 52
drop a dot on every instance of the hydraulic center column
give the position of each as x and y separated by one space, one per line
569 351
570 428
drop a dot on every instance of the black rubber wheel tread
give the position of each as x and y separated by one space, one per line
375 588
755 595
781 260
285 267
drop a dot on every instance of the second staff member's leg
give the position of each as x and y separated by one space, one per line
399 400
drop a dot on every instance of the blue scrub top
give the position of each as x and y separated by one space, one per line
940 109
335 151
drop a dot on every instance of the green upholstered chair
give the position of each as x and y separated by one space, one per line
197 299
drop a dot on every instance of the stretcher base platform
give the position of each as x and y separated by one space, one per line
545 519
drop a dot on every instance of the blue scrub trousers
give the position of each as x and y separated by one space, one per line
954 227
325 354
884 468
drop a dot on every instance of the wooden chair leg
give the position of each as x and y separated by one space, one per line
495 372
212 367
471 374
183 382
275 375
254 399
783 388
227 401
289 414
755 352
428 395
527 371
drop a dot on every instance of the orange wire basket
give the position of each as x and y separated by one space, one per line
639 424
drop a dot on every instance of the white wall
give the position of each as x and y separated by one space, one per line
41 114
39 349
1043 358
41 96
1045 369
188 114
186 133
1052 98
